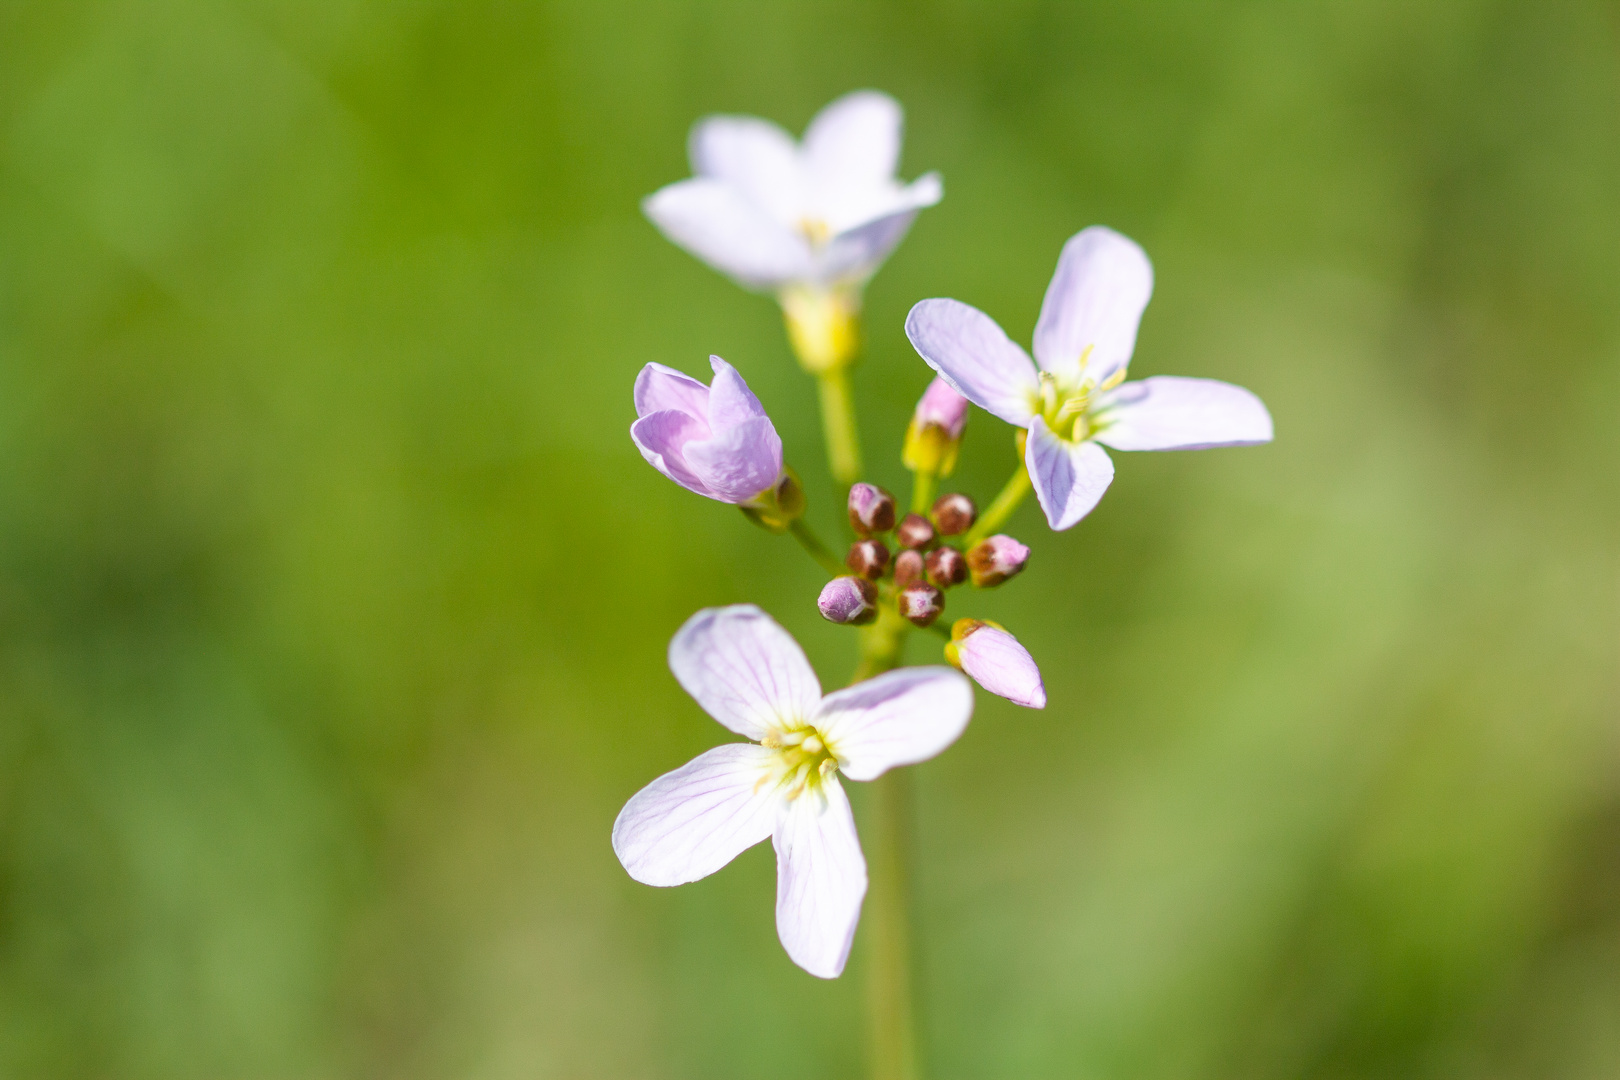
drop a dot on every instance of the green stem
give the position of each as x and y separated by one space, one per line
838 422
998 512
922 491
818 551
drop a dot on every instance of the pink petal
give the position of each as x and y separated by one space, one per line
662 438
659 388
1168 412
689 823
974 355
1002 666
820 879
1096 298
730 400
1069 477
898 718
738 463
745 670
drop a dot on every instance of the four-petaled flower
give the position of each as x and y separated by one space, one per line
714 440
1075 400
751 676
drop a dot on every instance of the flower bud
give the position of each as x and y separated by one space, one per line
914 532
995 559
921 603
997 662
935 432
954 514
908 567
868 558
945 565
848 600
871 509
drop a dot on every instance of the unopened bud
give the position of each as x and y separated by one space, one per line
871 509
996 661
921 603
908 567
935 432
868 558
946 567
954 514
914 532
848 600
996 559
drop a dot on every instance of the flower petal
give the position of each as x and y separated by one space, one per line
1102 284
1069 477
974 355
689 823
730 400
856 253
1169 412
820 879
662 438
739 463
1002 666
659 388
755 158
723 228
745 670
854 141
898 718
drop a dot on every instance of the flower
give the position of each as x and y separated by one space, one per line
1075 400
751 676
997 662
714 440
935 432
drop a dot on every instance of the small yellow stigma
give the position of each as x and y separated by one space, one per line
803 760
815 230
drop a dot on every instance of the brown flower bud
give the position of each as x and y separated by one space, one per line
954 514
921 602
914 532
871 509
996 559
908 567
868 558
946 567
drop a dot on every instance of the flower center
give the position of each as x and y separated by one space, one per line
815 230
803 760
1065 404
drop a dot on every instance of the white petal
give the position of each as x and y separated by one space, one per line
1069 477
1102 284
689 823
974 355
718 225
855 140
898 718
1169 412
755 158
745 670
820 879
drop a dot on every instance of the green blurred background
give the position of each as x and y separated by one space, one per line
334 597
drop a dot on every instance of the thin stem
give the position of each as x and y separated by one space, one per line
818 551
838 423
922 491
998 512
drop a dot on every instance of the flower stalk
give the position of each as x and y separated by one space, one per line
838 425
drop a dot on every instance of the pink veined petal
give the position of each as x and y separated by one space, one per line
662 438
730 400
898 718
974 355
745 670
1169 412
855 140
820 879
755 158
1002 666
738 463
730 233
689 823
1069 477
1102 284
659 388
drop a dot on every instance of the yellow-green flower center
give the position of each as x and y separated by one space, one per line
804 759
1065 403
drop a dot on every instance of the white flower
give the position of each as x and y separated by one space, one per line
751 676
1083 342
773 213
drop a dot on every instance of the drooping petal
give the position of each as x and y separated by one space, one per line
755 158
730 400
974 355
662 438
739 463
1102 284
1069 477
689 823
820 879
854 141
1001 665
722 227
898 718
659 388
1169 412
745 670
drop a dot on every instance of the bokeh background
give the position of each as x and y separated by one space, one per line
334 597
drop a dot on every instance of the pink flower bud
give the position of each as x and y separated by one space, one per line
871 509
908 567
848 600
954 514
935 431
942 407
946 567
921 603
997 662
996 559
868 558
